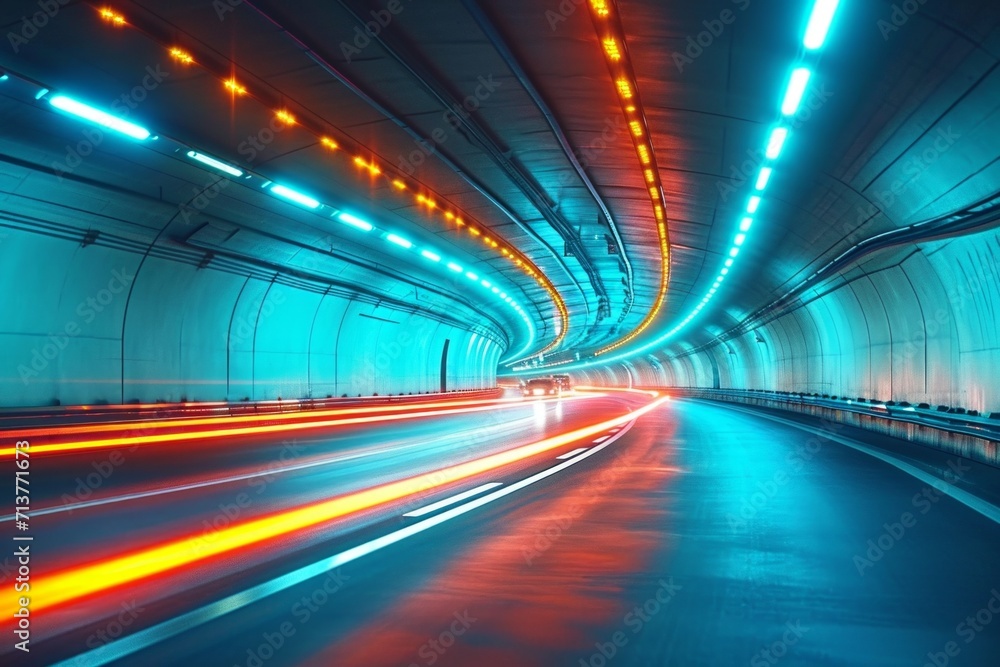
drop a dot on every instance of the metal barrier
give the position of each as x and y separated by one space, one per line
973 436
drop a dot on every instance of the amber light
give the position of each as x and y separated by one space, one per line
235 87
181 56
398 181
113 17
611 48
612 36
601 8
370 167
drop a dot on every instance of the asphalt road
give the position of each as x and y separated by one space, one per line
696 535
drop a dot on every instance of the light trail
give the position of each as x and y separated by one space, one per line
216 434
80 582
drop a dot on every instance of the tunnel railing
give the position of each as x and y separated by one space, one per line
941 417
975 437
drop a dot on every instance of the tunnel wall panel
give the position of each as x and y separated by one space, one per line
152 329
918 324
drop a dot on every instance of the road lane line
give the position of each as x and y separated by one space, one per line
569 455
601 439
465 495
126 646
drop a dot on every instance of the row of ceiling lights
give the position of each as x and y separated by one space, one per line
611 34
427 200
132 130
818 26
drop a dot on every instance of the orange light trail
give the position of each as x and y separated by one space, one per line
79 582
410 411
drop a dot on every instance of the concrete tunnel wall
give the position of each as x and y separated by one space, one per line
85 325
918 324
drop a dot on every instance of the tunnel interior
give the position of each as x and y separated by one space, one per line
500 332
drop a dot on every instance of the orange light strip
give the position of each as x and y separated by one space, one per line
112 17
181 56
611 32
80 582
285 117
392 176
458 407
234 86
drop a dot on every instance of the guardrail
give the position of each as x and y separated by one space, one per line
954 430
19 418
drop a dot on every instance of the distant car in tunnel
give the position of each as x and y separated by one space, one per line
541 387
563 383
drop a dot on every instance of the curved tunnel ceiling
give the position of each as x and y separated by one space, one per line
506 117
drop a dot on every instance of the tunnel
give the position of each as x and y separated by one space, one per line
476 333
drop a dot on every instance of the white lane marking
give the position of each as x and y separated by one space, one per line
465 495
614 430
601 439
269 472
126 646
569 455
973 502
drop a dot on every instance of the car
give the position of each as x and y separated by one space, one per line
563 382
540 387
